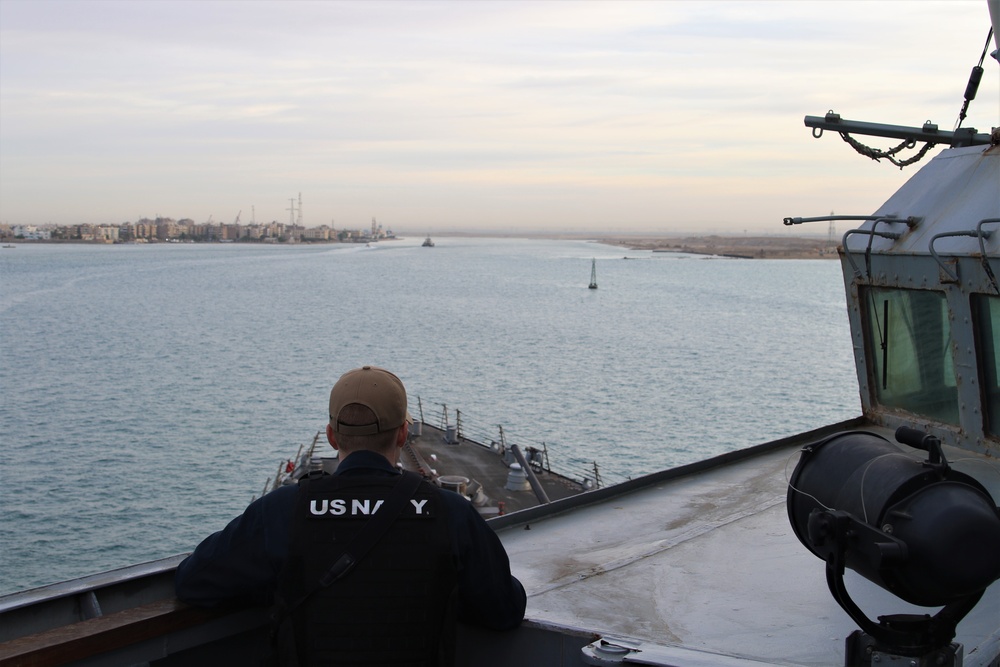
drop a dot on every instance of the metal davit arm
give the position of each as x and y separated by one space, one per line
910 222
929 133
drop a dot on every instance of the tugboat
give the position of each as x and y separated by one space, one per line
427 242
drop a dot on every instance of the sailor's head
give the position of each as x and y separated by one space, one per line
367 409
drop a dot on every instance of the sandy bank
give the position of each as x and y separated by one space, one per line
749 247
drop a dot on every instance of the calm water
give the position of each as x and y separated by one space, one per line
148 392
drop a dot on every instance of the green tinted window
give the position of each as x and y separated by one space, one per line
987 309
909 345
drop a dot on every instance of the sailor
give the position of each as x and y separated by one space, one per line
368 565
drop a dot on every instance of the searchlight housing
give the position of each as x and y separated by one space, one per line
926 533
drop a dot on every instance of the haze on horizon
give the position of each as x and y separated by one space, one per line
624 117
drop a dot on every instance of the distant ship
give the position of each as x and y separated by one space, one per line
593 274
428 243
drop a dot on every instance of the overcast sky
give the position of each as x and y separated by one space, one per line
672 116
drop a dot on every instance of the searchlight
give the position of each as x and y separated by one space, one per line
926 533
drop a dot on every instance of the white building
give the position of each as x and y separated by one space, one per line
31 233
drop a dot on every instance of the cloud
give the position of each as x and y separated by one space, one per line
545 113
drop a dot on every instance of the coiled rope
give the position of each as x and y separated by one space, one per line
877 154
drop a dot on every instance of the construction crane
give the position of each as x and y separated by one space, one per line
237 220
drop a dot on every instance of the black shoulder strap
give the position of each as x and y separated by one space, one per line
368 536
374 529
283 636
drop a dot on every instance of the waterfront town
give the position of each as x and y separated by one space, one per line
160 230
165 230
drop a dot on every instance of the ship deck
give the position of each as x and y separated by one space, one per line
692 566
485 469
705 560
483 465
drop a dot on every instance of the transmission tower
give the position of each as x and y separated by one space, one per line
300 210
291 211
831 235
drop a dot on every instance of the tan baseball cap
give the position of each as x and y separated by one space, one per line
378 390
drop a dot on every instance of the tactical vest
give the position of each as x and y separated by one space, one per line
390 609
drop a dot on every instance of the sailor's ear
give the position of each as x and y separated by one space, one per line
331 438
401 434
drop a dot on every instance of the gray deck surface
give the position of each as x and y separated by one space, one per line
480 463
708 561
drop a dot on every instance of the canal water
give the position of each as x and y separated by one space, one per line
147 392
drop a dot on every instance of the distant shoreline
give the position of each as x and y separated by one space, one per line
736 246
742 247
716 245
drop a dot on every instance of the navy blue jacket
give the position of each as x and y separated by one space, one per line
241 562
